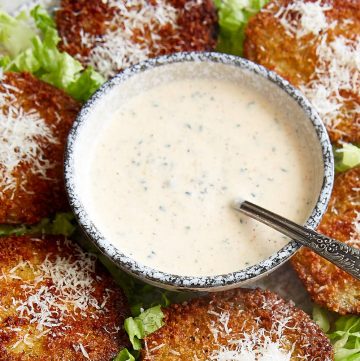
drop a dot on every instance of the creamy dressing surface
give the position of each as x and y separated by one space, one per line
165 168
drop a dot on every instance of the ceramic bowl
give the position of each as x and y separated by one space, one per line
277 90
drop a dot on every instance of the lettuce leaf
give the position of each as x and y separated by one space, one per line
343 331
346 338
321 318
233 17
124 355
86 84
141 295
346 157
61 224
143 325
38 54
42 19
15 33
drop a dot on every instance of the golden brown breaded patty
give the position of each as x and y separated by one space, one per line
111 35
35 120
327 284
236 323
57 303
314 47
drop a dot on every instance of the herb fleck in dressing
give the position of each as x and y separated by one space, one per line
166 168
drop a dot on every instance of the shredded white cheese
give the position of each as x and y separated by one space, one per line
309 18
20 137
132 35
252 348
61 287
337 73
258 345
83 351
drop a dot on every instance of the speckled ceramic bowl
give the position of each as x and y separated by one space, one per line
277 90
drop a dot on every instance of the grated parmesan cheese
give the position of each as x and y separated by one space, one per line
337 73
20 135
310 18
61 287
245 351
83 351
259 345
133 35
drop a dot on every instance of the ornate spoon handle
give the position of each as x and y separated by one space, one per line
345 257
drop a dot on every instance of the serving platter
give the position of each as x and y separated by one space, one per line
282 281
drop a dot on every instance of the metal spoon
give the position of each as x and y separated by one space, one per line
345 257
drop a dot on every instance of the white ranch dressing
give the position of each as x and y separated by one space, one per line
167 165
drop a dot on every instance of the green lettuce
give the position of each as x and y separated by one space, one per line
143 325
321 317
233 17
343 331
142 295
345 337
61 224
124 355
346 157
43 20
38 53
15 33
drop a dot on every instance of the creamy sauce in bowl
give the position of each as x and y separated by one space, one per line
169 154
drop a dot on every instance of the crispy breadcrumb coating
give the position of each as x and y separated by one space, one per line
314 45
57 302
111 35
236 323
327 284
36 118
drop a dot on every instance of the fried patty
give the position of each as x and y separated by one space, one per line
327 284
36 118
315 50
111 35
233 324
57 302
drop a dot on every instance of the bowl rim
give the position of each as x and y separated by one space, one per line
198 283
